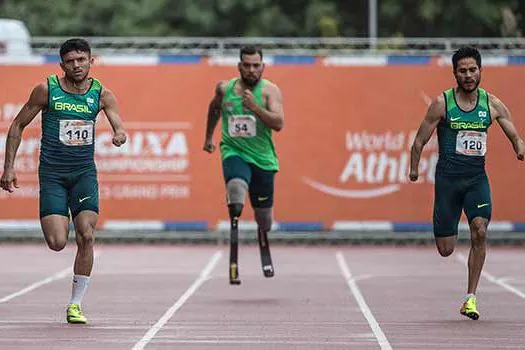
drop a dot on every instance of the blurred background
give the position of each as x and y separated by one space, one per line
269 18
357 77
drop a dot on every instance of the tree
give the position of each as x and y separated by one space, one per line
408 18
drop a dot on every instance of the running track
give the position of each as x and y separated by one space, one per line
177 297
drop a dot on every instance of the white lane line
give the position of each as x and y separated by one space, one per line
499 281
380 336
204 275
57 276
320 344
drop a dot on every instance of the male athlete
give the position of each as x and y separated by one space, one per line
67 172
251 108
462 116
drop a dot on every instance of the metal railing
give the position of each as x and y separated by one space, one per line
285 46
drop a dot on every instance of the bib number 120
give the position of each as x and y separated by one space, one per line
471 143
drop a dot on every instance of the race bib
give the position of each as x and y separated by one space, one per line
76 132
471 143
242 126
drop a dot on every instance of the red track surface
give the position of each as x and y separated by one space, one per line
399 298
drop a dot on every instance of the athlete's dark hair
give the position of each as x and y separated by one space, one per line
74 44
466 52
250 50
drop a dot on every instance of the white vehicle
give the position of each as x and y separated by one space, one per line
15 39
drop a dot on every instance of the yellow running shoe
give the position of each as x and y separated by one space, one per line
75 314
469 308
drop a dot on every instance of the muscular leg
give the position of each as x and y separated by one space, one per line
446 245
476 257
83 202
448 203
478 209
56 229
85 223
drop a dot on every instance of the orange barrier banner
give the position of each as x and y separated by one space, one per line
344 150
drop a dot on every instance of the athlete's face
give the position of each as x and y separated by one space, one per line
468 74
76 64
251 68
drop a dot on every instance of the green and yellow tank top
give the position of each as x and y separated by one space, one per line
462 136
243 133
68 126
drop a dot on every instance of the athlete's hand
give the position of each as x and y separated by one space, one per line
119 138
9 180
248 100
520 150
413 175
208 146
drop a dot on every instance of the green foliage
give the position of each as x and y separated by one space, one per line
292 18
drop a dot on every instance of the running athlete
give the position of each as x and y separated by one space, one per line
251 108
67 172
462 116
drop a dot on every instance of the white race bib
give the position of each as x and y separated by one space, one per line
242 126
471 143
76 132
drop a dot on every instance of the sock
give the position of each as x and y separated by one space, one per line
469 295
80 284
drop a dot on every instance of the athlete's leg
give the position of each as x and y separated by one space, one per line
263 216
476 260
56 230
261 198
476 257
85 223
478 208
54 212
446 245
236 190
237 175
264 219
448 203
83 202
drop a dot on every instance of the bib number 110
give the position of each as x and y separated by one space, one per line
77 134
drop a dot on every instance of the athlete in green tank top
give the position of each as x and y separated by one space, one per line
462 116
67 173
243 133
68 126
251 109
462 136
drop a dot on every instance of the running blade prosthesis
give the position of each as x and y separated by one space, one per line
234 249
266 257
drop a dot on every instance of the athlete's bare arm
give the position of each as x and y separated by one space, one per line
273 115
108 103
435 113
36 102
214 113
501 113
